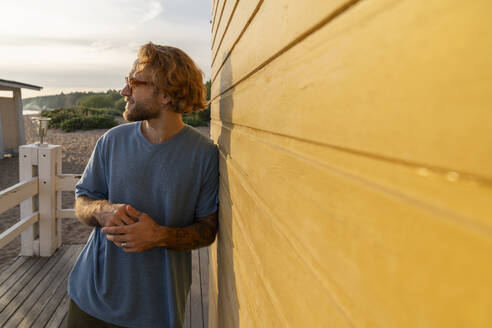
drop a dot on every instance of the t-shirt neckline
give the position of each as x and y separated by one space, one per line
161 144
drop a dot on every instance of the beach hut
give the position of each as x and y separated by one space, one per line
11 119
355 163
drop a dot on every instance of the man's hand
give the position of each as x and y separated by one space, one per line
101 212
110 215
140 235
145 233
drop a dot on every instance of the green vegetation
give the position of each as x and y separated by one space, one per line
84 111
88 123
120 105
64 100
97 101
80 118
197 119
202 118
89 110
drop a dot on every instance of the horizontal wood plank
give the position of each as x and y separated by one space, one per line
48 288
229 11
53 303
271 26
19 261
14 195
67 182
60 313
244 13
218 17
8 235
19 284
213 13
463 200
21 300
17 275
64 322
322 90
266 294
35 293
346 231
66 213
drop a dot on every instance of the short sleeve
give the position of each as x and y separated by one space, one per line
93 182
208 201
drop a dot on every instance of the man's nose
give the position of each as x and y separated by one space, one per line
126 91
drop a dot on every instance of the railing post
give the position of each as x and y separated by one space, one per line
28 156
49 228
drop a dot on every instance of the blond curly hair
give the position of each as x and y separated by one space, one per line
174 72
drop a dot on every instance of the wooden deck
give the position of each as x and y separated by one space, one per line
33 290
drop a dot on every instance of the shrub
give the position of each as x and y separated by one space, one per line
81 118
82 122
60 115
114 95
204 115
97 101
194 120
120 105
113 112
101 111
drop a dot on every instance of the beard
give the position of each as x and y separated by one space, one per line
140 112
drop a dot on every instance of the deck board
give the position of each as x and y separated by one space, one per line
50 308
60 313
40 296
27 295
19 285
33 290
64 322
12 268
17 275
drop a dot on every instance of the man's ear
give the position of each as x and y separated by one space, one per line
165 99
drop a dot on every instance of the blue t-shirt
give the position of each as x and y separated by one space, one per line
174 182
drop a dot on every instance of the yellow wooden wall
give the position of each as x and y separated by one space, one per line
356 163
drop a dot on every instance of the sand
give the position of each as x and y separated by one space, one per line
76 150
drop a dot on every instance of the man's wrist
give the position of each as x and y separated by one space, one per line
162 233
99 211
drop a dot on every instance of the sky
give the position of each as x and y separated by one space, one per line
68 45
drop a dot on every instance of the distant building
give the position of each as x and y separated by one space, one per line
11 119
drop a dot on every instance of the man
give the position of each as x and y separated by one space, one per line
150 191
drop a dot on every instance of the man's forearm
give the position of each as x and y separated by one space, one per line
200 234
86 209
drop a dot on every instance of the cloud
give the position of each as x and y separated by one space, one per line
154 10
69 37
102 45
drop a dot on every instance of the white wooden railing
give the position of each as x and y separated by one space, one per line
40 230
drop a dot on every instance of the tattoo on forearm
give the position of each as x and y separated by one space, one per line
200 234
181 235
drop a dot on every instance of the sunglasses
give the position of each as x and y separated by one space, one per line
133 82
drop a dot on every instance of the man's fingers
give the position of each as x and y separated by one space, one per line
133 211
125 219
121 242
117 238
116 230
